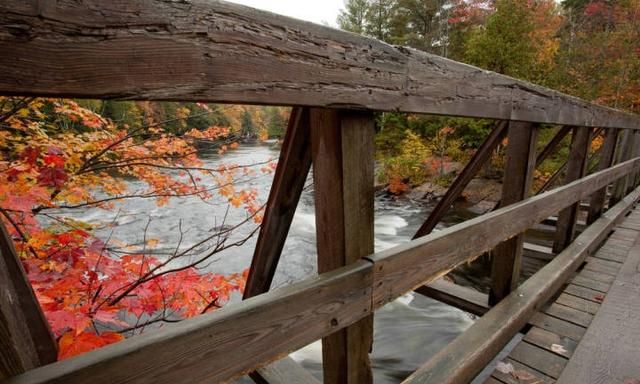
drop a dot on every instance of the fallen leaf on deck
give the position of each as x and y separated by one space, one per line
557 348
506 368
522 375
599 298
631 381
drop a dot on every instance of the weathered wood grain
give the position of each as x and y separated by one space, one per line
624 153
546 339
576 169
546 362
342 147
578 303
557 326
406 267
582 281
571 315
584 293
464 298
285 371
461 360
608 352
539 377
25 339
480 157
607 157
220 52
520 166
226 343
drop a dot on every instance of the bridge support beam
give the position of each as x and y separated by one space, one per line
26 341
576 169
607 158
343 173
518 179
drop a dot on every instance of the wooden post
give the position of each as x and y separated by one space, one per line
635 152
625 150
576 169
25 339
288 182
518 178
343 173
607 156
481 156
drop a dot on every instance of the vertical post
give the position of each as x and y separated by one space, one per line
576 169
635 152
607 156
342 147
25 339
518 179
626 151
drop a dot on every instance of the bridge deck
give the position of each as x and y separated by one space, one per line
590 332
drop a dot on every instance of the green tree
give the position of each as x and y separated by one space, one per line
354 17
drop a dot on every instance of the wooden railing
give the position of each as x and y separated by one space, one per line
218 52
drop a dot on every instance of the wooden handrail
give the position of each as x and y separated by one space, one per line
242 337
220 52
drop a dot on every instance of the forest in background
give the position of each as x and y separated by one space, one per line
586 48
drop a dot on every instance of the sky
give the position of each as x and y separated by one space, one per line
317 11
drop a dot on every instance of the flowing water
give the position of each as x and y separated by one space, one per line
407 331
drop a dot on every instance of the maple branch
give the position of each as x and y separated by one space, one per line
19 231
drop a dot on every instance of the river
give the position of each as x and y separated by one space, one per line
407 331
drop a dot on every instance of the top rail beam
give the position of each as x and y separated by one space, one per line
214 51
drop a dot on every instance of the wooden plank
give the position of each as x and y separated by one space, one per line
491 380
569 314
408 266
557 326
626 144
601 268
234 54
539 377
585 293
285 371
607 279
518 178
464 298
603 254
226 343
480 157
613 266
608 352
607 157
343 174
537 251
25 339
288 182
550 341
542 360
585 282
578 303
576 169
462 359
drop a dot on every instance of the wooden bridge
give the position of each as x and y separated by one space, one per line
580 312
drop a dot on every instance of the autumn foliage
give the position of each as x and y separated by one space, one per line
57 156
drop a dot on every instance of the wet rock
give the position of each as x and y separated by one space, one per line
427 191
